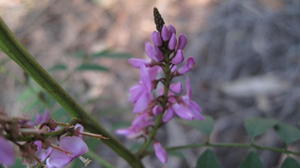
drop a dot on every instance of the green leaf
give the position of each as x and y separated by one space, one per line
287 133
92 67
208 160
252 161
290 163
18 164
110 54
205 126
58 67
257 126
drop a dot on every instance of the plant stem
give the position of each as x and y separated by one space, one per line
234 145
14 49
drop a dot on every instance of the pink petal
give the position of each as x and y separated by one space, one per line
176 87
178 58
169 114
172 42
137 62
182 111
7 152
141 104
157 110
172 29
165 33
190 64
135 92
73 144
156 39
160 152
182 41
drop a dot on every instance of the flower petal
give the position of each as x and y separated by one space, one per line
160 152
7 152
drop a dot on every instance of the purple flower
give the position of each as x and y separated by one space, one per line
189 65
42 153
172 42
73 146
138 126
138 63
172 29
176 87
153 52
178 58
182 41
165 33
7 152
168 115
42 118
141 94
160 152
156 39
188 109
157 110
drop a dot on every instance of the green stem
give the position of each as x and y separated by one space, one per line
14 49
234 145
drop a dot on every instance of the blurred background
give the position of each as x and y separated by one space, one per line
247 53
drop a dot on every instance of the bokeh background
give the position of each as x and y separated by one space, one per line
247 53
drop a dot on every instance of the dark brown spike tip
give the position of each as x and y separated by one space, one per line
159 21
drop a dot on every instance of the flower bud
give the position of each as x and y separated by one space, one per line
165 33
190 63
182 41
172 42
153 52
178 58
172 29
160 152
176 87
157 110
156 39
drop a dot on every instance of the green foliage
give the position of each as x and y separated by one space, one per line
18 164
111 54
208 159
257 126
206 126
290 163
252 161
91 67
58 67
287 133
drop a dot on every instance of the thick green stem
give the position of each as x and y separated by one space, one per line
234 145
10 46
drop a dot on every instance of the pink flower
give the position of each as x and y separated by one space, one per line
156 39
172 29
160 152
165 33
178 58
73 145
42 153
7 152
176 87
138 63
189 65
182 41
188 109
141 94
153 52
172 42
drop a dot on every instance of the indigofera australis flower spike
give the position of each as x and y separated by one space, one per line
156 95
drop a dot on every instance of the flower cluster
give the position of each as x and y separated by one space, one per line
41 142
156 96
